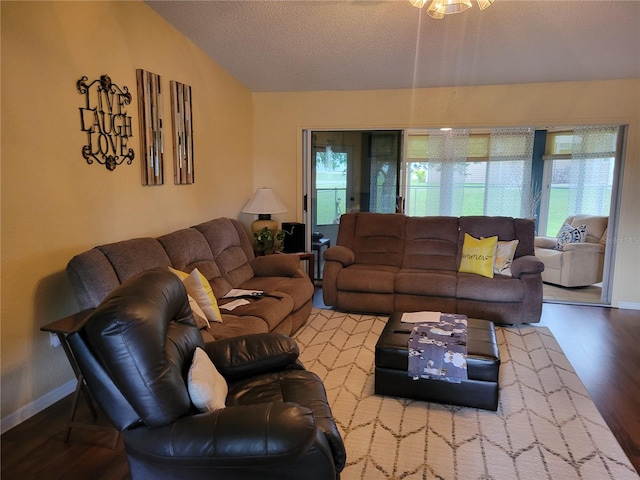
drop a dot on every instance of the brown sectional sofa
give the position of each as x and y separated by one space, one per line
384 263
223 253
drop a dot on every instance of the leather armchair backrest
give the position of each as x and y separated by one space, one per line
144 336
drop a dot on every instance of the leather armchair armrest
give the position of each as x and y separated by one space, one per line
526 264
545 242
340 254
276 265
258 434
249 355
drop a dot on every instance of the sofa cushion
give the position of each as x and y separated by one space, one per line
233 325
300 289
270 310
379 240
134 256
231 249
500 288
431 243
426 282
188 249
368 278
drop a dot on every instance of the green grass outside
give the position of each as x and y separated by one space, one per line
426 201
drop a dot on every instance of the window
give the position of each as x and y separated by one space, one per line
461 172
579 174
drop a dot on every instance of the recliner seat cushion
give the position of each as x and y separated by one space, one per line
500 288
426 282
301 387
368 278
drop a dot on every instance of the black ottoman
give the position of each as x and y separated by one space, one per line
483 365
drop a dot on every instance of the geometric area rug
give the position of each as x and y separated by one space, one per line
546 425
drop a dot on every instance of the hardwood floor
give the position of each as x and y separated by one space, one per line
602 344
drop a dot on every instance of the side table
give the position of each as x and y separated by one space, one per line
62 328
310 258
318 245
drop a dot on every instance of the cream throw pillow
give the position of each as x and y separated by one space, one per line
478 255
199 288
207 388
504 257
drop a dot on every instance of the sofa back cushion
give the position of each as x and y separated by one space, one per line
375 238
231 249
188 249
506 228
431 243
96 273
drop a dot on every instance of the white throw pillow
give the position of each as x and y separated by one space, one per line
207 388
504 257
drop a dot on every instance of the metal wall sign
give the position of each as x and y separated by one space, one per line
105 120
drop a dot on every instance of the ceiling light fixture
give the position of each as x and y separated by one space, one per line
439 8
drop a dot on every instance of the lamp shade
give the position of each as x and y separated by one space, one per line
264 201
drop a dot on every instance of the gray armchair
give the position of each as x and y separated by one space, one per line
577 264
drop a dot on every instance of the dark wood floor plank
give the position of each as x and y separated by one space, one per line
602 344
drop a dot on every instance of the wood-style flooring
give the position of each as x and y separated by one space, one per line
602 344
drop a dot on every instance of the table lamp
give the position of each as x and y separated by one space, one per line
263 203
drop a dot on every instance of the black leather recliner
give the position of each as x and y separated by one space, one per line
135 351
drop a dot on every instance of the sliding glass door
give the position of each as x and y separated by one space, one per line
350 171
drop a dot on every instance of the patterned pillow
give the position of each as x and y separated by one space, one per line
568 234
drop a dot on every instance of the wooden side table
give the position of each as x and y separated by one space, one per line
318 245
62 328
310 258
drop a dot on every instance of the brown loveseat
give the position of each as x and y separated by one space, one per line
387 263
220 249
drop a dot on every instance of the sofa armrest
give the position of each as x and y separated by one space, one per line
526 264
276 265
545 242
585 247
259 434
249 355
340 254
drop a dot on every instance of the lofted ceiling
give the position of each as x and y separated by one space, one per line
275 46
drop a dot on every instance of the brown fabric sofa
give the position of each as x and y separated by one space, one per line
386 263
221 250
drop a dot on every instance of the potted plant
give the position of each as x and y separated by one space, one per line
268 241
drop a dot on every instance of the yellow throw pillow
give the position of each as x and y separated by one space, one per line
199 288
478 255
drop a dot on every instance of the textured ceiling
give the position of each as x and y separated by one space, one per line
363 45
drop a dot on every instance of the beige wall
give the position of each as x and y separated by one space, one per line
280 117
54 205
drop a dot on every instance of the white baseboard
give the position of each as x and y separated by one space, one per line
629 305
28 411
